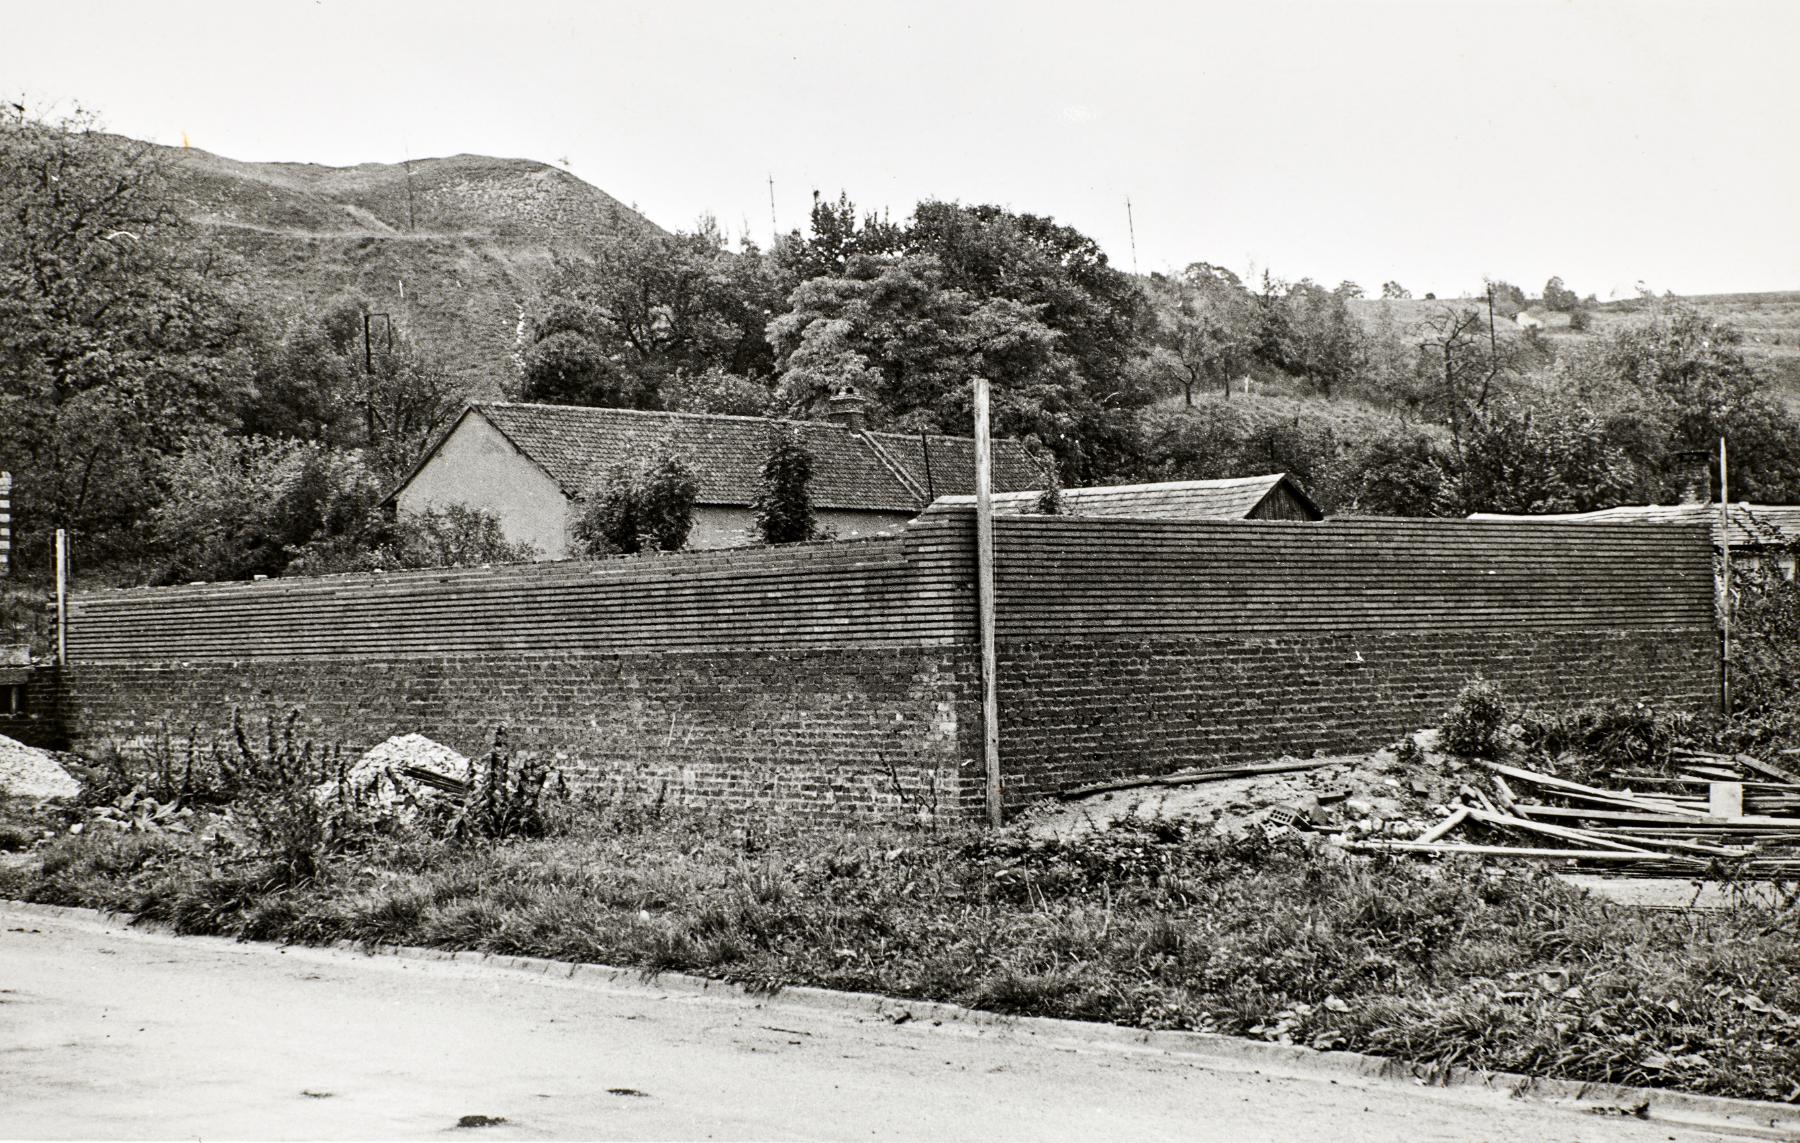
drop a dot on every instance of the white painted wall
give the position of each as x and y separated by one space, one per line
716 526
479 467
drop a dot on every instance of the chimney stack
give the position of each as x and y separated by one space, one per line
1696 477
849 408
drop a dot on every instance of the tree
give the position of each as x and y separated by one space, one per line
633 507
665 502
1507 298
118 333
783 504
454 536
1559 298
1398 473
239 506
834 238
1690 375
608 523
1329 347
1393 289
1469 364
1205 325
1517 458
632 313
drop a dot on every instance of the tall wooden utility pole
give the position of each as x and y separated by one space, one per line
984 601
1725 584
62 598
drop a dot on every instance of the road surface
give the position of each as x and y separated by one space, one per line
110 1032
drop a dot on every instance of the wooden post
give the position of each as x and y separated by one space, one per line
1725 584
984 594
62 597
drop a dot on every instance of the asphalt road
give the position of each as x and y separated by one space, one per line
109 1032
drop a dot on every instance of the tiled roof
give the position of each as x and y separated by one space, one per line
945 466
1232 499
574 444
1752 525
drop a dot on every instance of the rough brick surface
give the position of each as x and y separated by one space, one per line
1075 712
832 733
839 680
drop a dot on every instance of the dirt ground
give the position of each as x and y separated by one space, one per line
107 1032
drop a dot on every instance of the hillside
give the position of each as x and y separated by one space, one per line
450 247
1770 323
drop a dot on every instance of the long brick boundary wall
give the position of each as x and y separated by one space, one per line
826 678
1138 647
839 680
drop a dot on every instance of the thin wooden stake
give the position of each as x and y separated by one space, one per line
1725 601
984 577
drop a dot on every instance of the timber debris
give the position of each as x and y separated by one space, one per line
1712 812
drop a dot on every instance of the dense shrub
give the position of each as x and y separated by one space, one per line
783 501
1476 723
632 508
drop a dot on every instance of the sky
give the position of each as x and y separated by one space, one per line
1434 144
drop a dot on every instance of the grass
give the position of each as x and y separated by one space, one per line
1149 926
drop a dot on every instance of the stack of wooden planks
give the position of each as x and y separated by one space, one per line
1729 812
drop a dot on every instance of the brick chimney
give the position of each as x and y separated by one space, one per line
849 408
1695 475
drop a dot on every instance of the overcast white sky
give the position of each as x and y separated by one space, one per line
1429 142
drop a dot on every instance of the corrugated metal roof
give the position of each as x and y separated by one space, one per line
1752 525
575 443
1229 499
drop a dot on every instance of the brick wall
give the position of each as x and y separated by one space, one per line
836 732
838 679
1078 711
1136 646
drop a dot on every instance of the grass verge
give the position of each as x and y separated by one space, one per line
1148 925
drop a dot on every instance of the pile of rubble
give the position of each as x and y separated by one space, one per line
404 771
27 772
1396 792
1410 798
1714 808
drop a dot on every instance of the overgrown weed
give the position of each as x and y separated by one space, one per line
1150 924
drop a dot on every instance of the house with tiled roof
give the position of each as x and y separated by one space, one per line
531 466
1276 496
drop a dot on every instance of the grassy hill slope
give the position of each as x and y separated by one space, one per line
1770 323
450 247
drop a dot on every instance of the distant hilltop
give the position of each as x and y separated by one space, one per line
451 247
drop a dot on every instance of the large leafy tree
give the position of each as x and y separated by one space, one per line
337 377
1687 375
118 337
910 314
1207 327
1555 458
634 314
